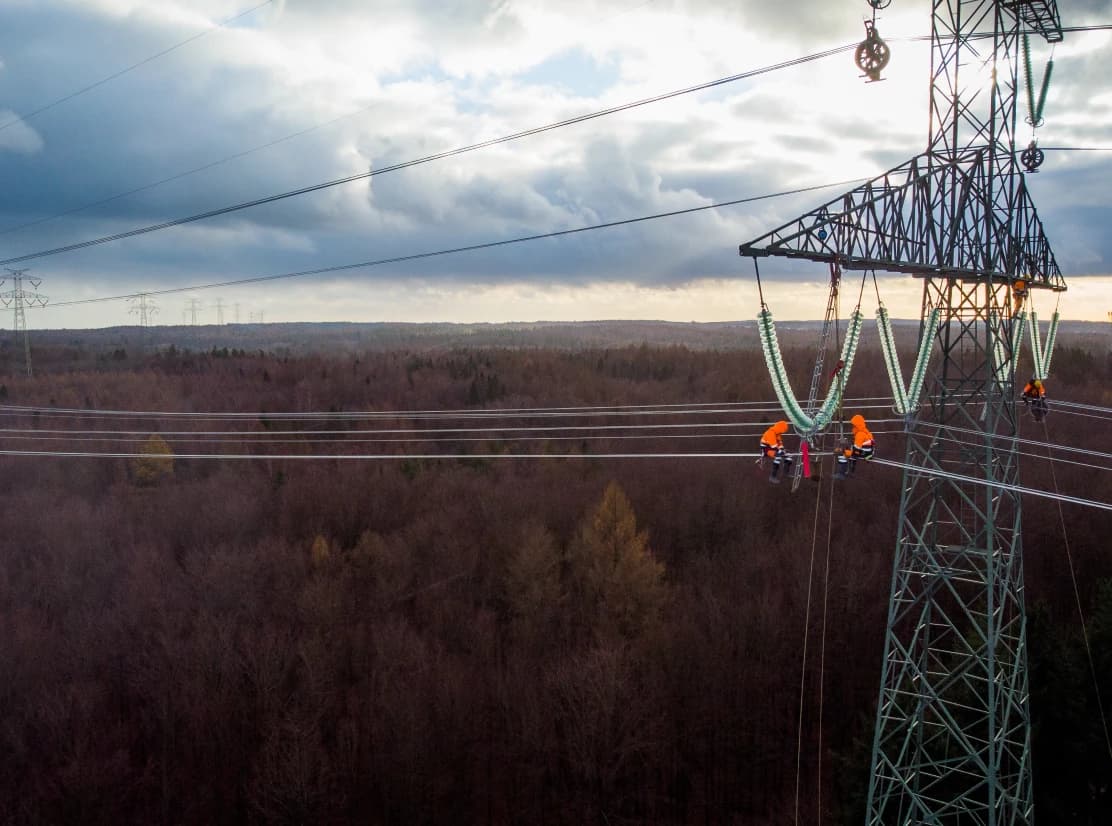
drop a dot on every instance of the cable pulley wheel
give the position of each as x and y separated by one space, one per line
1032 157
872 53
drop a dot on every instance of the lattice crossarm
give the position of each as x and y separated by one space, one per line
1040 16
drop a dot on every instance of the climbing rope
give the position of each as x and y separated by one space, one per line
1077 593
829 324
803 664
838 377
822 645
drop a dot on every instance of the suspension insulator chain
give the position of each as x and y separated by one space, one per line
1032 157
805 424
1041 353
872 53
906 398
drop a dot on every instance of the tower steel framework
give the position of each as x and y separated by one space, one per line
952 743
19 298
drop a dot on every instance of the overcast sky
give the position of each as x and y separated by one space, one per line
369 84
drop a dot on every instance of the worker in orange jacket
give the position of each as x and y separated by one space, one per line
1019 295
1034 397
772 447
863 447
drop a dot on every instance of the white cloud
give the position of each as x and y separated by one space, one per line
19 137
420 77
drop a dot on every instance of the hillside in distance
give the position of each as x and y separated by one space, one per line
341 337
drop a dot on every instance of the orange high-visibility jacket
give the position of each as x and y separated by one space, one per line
772 436
1034 389
861 434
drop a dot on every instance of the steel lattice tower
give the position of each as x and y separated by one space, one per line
19 298
952 743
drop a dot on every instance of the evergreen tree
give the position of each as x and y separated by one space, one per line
617 586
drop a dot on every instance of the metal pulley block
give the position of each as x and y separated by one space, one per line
879 4
872 54
1032 157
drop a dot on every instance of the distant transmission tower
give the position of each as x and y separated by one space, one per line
191 310
236 305
220 311
18 299
143 306
952 744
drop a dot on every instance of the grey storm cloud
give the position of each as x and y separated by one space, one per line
225 94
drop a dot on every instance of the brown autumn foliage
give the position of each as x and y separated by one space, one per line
420 641
154 463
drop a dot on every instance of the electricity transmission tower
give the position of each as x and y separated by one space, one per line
18 298
220 311
191 310
143 306
952 743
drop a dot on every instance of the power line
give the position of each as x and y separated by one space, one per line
1018 440
1048 445
1084 415
430 158
261 436
380 456
386 431
314 128
407 440
453 250
1099 27
132 67
1057 404
696 408
744 430
741 430
188 172
461 150
1075 500
972 480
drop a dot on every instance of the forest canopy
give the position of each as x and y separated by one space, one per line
408 641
